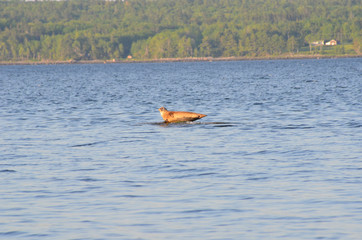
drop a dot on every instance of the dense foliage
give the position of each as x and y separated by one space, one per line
86 30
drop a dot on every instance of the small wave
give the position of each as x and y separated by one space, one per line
193 175
38 235
225 125
293 126
257 178
131 196
88 179
84 169
354 124
7 171
11 233
88 144
199 210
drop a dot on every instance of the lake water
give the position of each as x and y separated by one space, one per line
84 153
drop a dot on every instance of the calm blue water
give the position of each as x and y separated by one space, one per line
83 153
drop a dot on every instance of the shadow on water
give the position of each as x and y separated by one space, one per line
189 124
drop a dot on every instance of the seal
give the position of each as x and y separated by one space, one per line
176 116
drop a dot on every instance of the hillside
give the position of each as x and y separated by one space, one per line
145 29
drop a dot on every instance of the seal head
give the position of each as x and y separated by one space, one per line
176 116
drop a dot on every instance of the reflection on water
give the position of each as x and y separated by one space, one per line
84 155
187 124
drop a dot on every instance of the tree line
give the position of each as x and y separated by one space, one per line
149 29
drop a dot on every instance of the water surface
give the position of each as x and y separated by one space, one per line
84 153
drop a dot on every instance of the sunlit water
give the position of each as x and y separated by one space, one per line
84 153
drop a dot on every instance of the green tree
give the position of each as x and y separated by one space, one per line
228 44
205 48
62 30
291 44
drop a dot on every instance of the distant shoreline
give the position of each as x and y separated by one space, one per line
164 60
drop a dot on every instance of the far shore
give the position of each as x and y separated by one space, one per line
163 60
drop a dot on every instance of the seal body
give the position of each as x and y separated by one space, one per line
176 116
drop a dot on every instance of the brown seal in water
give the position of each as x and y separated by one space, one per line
176 116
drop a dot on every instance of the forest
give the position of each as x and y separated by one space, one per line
155 29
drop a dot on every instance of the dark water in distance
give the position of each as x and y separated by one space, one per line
83 154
